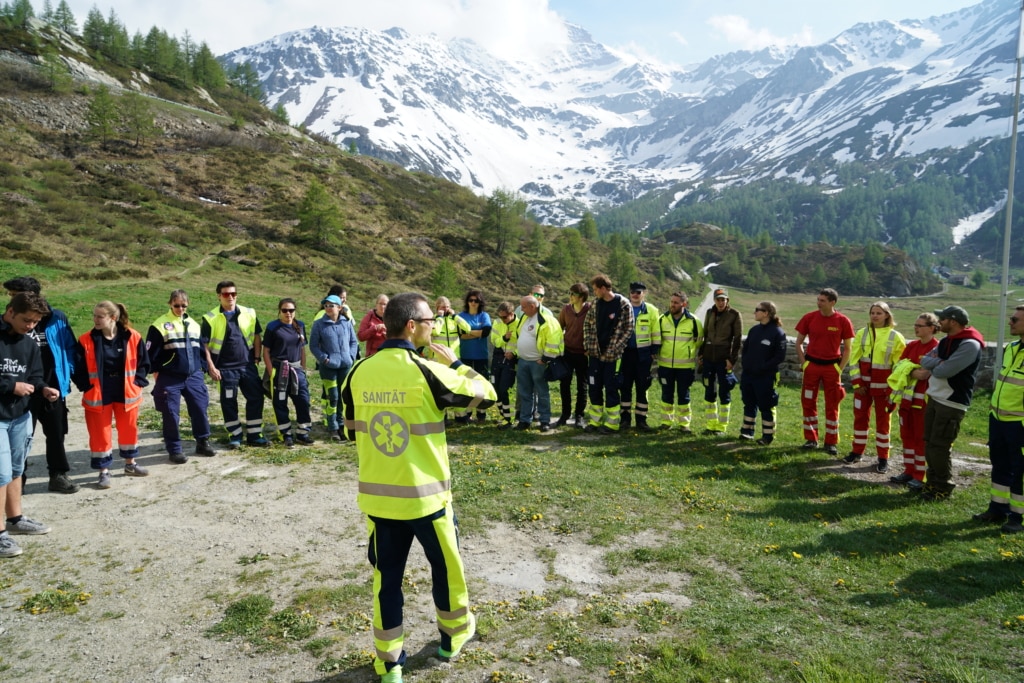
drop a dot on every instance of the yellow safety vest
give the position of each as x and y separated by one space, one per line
394 403
219 323
446 331
679 341
549 335
1008 394
875 361
648 331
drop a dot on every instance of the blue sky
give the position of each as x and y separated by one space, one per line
672 31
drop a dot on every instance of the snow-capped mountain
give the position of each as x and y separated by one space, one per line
589 124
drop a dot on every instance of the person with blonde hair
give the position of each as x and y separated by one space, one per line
911 411
877 348
111 365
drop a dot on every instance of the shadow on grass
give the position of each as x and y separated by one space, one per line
951 586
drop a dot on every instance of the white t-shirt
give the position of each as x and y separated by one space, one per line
526 347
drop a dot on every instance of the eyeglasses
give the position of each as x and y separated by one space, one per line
231 294
331 306
538 295
287 310
760 310
179 305
637 291
423 320
472 301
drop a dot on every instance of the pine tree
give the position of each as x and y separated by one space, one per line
102 115
57 72
503 218
64 18
444 280
48 14
137 116
320 221
588 226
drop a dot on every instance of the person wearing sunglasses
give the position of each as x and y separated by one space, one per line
763 351
234 345
334 345
284 359
911 407
177 358
473 351
951 369
1006 436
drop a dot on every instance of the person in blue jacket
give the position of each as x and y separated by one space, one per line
762 352
56 342
474 350
334 345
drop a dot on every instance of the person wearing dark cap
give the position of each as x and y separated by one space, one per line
723 336
56 341
951 369
1006 436
637 359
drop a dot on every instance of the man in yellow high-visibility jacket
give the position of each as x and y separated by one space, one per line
394 410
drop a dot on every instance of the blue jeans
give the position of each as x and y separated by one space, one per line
15 436
530 380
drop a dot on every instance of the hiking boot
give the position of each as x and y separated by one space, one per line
852 458
460 639
902 478
747 434
915 485
304 438
104 481
932 495
809 445
393 676
1012 528
505 425
259 442
606 430
560 422
177 458
990 516
765 441
580 421
59 483
832 449
289 442
545 427
234 444
521 426
135 470
642 426
882 466
27 526
685 430
462 420
336 436
8 548
590 429
204 448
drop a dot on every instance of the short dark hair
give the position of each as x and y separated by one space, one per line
337 290
28 302
600 280
23 284
830 294
580 290
225 283
401 309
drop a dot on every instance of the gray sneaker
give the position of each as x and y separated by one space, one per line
8 548
135 470
104 482
27 526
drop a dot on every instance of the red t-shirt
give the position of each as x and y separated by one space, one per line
825 334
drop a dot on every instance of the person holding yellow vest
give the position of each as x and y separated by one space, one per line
877 347
681 334
638 358
503 368
394 411
448 328
110 370
1006 436
913 400
536 341
177 359
231 334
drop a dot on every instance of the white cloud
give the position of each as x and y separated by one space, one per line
738 31
678 37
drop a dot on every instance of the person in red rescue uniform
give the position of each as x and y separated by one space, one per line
911 411
111 365
878 347
829 336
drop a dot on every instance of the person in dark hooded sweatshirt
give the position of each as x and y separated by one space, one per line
21 376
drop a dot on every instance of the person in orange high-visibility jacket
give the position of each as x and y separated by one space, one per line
110 371
876 349
394 410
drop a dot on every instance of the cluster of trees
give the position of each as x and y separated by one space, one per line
911 203
179 61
